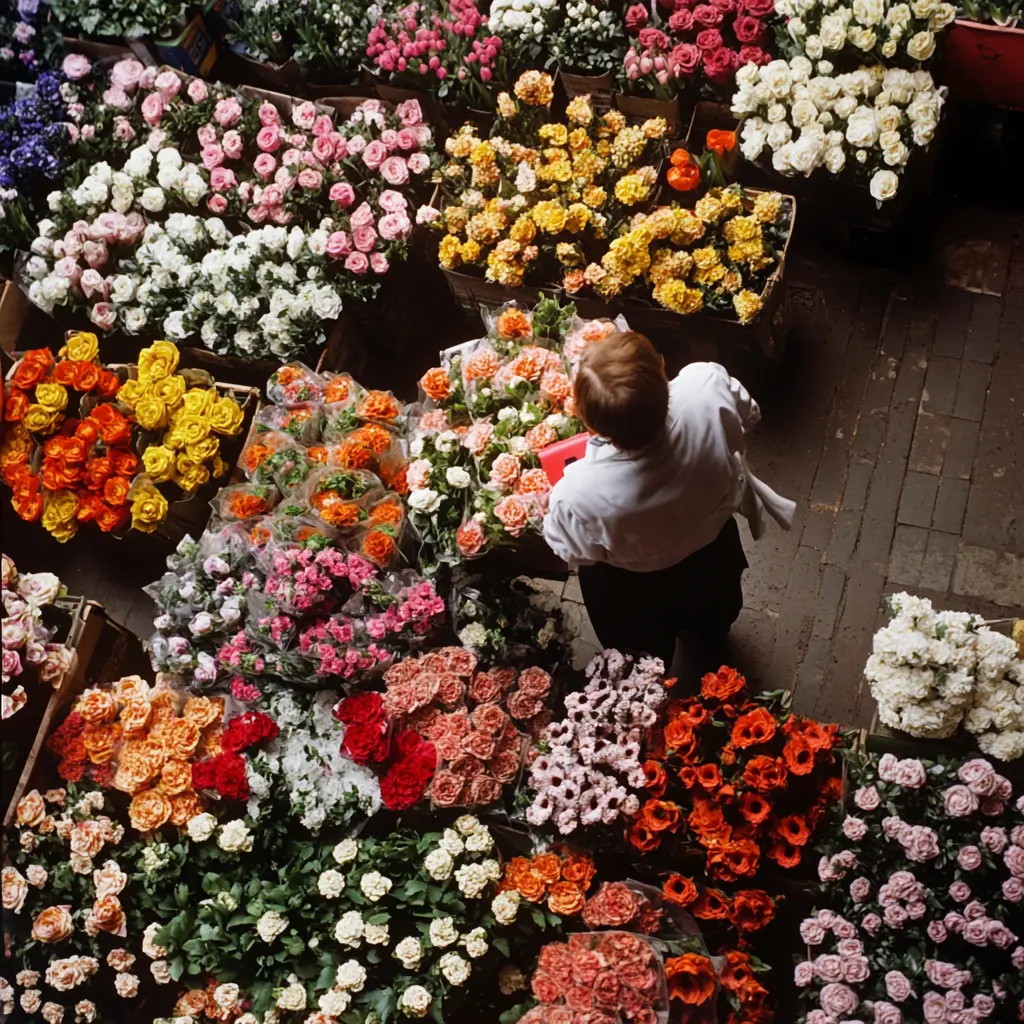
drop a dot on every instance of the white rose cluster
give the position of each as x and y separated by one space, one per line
878 27
591 39
930 672
522 22
809 117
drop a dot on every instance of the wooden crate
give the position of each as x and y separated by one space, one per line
91 624
640 108
598 87
473 292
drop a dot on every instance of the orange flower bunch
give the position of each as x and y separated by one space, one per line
747 910
380 542
734 778
137 740
379 407
563 880
692 981
513 323
436 384
245 501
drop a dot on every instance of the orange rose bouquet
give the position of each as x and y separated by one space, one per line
733 779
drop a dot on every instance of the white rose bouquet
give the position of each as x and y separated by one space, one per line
867 27
525 27
931 672
869 120
591 39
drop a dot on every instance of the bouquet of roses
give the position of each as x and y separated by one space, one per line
26 635
728 774
590 39
922 884
869 120
932 671
590 774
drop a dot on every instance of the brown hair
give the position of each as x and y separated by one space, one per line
621 390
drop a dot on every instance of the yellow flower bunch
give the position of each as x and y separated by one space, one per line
189 451
580 111
636 187
149 506
59 508
535 88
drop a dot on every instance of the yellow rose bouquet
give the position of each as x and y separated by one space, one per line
539 196
183 417
716 256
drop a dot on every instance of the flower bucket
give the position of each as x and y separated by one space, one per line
985 63
598 87
433 111
473 292
281 76
640 108
706 116
97 51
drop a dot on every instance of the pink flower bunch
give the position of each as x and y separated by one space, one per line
300 579
330 645
711 40
593 759
416 682
415 610
602 973
444 46
84 250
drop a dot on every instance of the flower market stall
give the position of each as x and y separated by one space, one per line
351 773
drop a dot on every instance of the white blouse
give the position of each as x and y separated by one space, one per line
648 510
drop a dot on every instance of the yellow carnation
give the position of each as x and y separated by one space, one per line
198 402
553 133
470 251
39 419
747 306
448 252
170 390
580 110
203 451
709 209
535 88
151 413
767 207
678 297
52 396
131 391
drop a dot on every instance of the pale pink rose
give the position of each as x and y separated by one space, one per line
207 135
304 115
843 929
273 195
117 98
423 134
991 807
279 215
375 154
75 66
921 844
409 113
364 239
268 114
476 440
854 828
969 858
959 801
960 891
976 933
405 139
379 263
340 144
167 84
88 131
156 138
910 774
264 165
67 267
292 157
871 923
974 773
828 968
1016 958
153 109
227 112
860 889
245 191
394 170
103 315
395 225
338 245
389 137
811 930
1013 858
887 767
257 214
212 156
391 201
803 974
418 474
323 150
1017 835
147 77
954 922
867 798
95 254
934 1008
362 216
232 143
886 1013
937 931
999 935
269 138
216 203
954 1001
994 839
134 228
283 176
895 916
839 1000
357 262
123 129
898 987
856 970
343 194
92 284
819 1017
850 947
308 178
1013 889
356 144
974 910
418 163
125 74
221 179
197 90
916 910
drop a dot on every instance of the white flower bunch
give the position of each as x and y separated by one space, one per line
591 38
305 762
523 23
930 672
871 26
594 753
810 117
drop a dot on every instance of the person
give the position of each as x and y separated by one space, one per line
648 513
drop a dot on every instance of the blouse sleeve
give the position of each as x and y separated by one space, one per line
746 408
568 537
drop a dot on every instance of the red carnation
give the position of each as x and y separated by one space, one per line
366 743
247 730
406 780
361 709
229 777
202 774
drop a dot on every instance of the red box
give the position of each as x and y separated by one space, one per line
557 456
985 63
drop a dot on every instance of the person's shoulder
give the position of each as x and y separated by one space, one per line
699 382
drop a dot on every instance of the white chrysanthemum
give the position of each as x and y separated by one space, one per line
331 884
375 886
475 943
439 864
349 930
376 934
335 1002
452 843
235 837
292 996
351 976
455 968
415 1001
409 952
505 906
270 925
201 827
443 932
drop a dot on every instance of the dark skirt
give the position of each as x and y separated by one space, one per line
644 612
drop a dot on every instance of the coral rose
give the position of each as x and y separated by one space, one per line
107 915
31 809
149 810
96 707
181 738
565 898
52 925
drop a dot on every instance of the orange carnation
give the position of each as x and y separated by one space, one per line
202 711
548 866
175 777
135 716
691 978
100 741
149 810
436 384
378 405
378 546
643 838
183 807
680 890
530 886
97 707
578 868
785 854
737 973
754 807
565 898
655 778
16 405
793 829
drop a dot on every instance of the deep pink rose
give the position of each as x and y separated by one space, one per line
217 203
636 18
362 216
379 263
212 156
221 179
268 114
364 238
322 125
323 149
375 154
269 138
684 58
754 55
356 261
395 171
895 916
264 165
707 16
405 139
709 41
759 8
748 29
343 194
681 20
